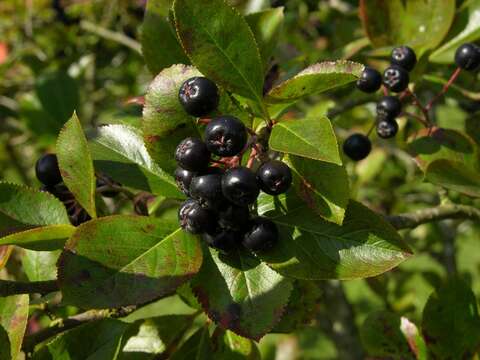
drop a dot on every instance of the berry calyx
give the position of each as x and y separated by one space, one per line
199 96
389 107
239 185
194 218
467 57
225 136
234 217
47 170
207 190
357 147
370 80
192 154
184 178
262 236
221 239
396 78
387 129
274 177
404 57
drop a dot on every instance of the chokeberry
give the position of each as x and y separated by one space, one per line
225 136
396 78
239 185
389 107
47 170
194 218
234 217
221 239
262 236
404 57
106 182
184 178
207 190
274 177
467 57
198 96
370 80
192 154
387 129
357 147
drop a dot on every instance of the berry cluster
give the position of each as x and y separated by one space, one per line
220 190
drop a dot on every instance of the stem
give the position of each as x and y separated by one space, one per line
349 105
111 35
252 157
449 83
416 117
371 128
8 288
422 108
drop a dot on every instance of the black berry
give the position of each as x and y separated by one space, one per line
387 129
389 107
239 185
404 57
274 177
234 217
262 236
357 147
192 154
194 218
467 57
225 136
47 170
370 80
198 96
184 178
224 240
396 78
207 189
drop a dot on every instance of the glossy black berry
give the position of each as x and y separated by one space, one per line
207 190
184 178
234 217
107 182
387 129
194 218
198 96
47 170
357 147
467 57
274 177
225 136
396 78
239 185
404 57
389 107
192 154
224 240
370 80
262 236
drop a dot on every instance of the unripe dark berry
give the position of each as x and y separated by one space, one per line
184 178
207 190
467 57
47 170
239 185
387 129
104 181
404 57
234 217
370 80
224 240
396 78
357 147
225 136
192 154
199 96
194 218
389 107
274 177
262 236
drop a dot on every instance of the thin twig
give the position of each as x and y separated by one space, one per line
111 35
444 89
422 108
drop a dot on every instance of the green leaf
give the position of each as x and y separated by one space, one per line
165 122
466 28
120 152
240 293
421 24
40 265
313 249
455 176
266 26
124 260
221 45
160 46
4 345
315 79
309 138
24 208
13 318
76 164
451 323
43 238
230 346
98 340
198 347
